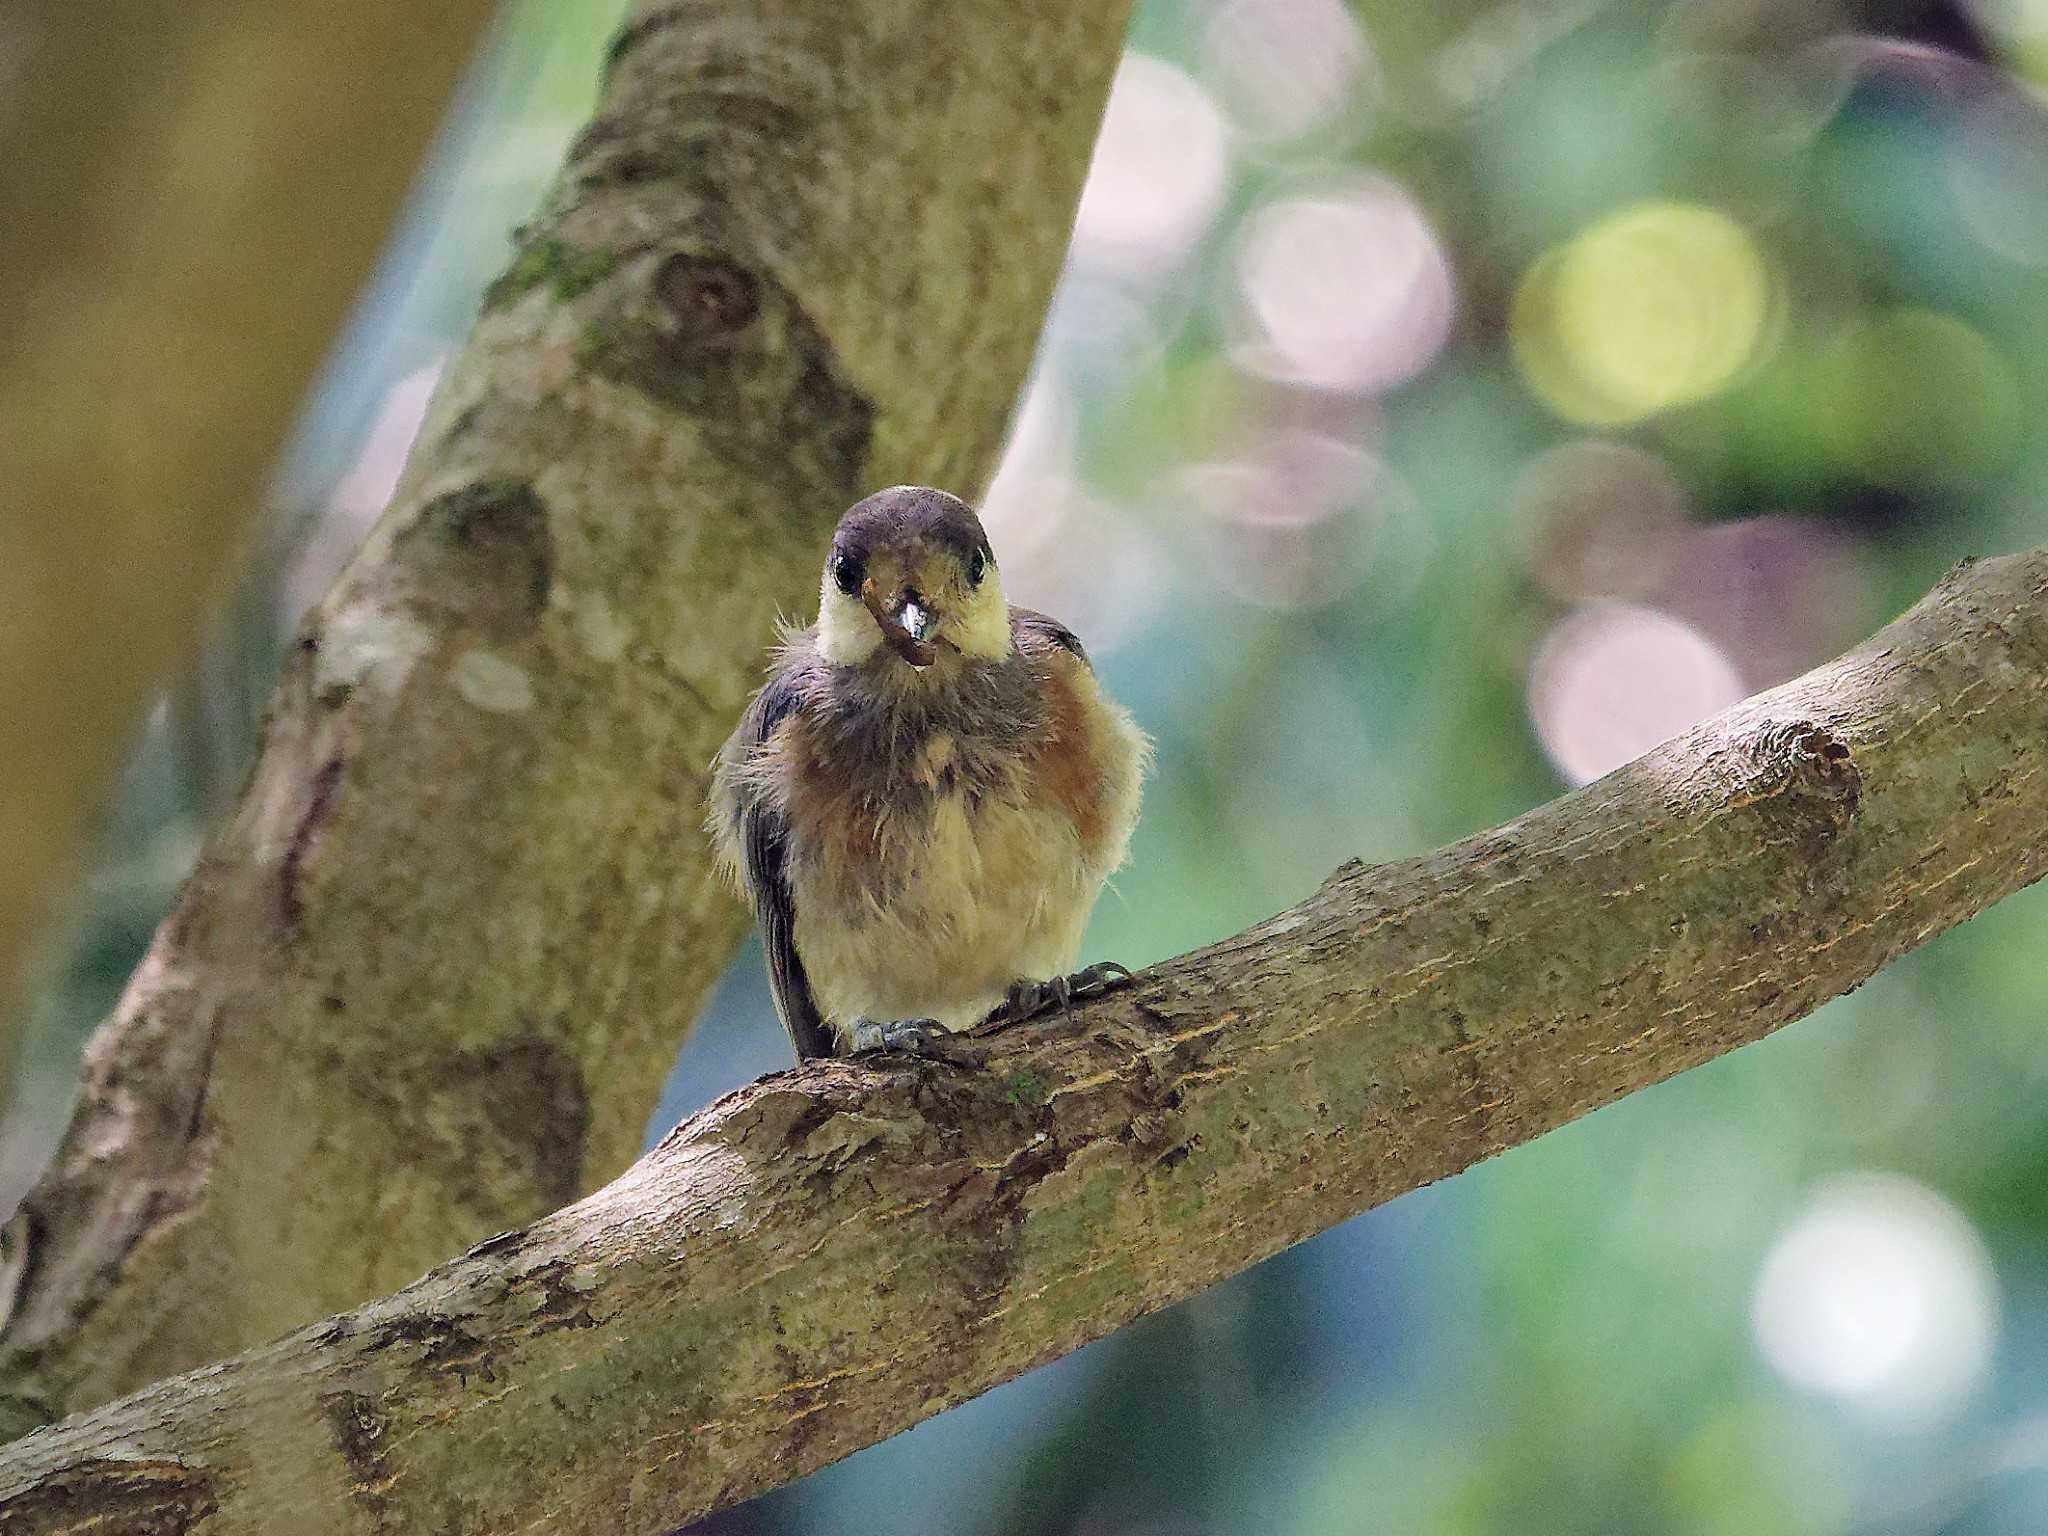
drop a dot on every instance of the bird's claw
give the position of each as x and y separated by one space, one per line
1028 999
913 1037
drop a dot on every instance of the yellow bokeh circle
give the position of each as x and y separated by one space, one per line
1659 305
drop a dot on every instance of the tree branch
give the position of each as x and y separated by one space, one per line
149 364
427 981
830 1255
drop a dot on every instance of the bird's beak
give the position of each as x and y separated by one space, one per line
917 620
906 624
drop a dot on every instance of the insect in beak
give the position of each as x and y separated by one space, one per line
907 627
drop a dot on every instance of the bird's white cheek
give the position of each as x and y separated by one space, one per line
984 622
846 634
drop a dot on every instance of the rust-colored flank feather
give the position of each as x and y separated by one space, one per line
1067 767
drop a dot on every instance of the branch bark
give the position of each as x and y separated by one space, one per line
830 1255
152 366
426 982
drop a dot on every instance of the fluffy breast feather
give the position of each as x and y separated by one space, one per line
940 853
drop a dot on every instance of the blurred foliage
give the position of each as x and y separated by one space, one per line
1443 404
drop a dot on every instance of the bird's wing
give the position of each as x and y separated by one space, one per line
760 827
1028 624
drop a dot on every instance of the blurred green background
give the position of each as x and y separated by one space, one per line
1442 404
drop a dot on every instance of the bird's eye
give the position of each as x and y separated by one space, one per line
846 573
977 567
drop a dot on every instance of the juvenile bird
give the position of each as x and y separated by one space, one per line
927 796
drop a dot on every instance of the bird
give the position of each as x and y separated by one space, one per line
926 797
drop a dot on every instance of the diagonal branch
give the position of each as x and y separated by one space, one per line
427 980
830 1255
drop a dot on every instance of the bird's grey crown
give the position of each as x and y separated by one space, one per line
911 514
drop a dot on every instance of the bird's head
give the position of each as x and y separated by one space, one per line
911 571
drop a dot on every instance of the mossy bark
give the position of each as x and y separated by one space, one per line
833 1254
426 982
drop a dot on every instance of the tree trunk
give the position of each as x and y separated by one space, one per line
426 982
150 364
830 1255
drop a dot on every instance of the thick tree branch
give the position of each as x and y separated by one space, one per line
427 981
193 195
825 1258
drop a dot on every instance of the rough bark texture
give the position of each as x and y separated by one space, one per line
193 194
826 1257
426 982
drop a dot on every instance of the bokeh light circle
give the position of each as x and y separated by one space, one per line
1301 524
1598 519
1161 165
1345 287
1285 68
1612 680
1880 1294
1660 305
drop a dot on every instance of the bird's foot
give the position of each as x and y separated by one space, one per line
1028 999
913 1037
